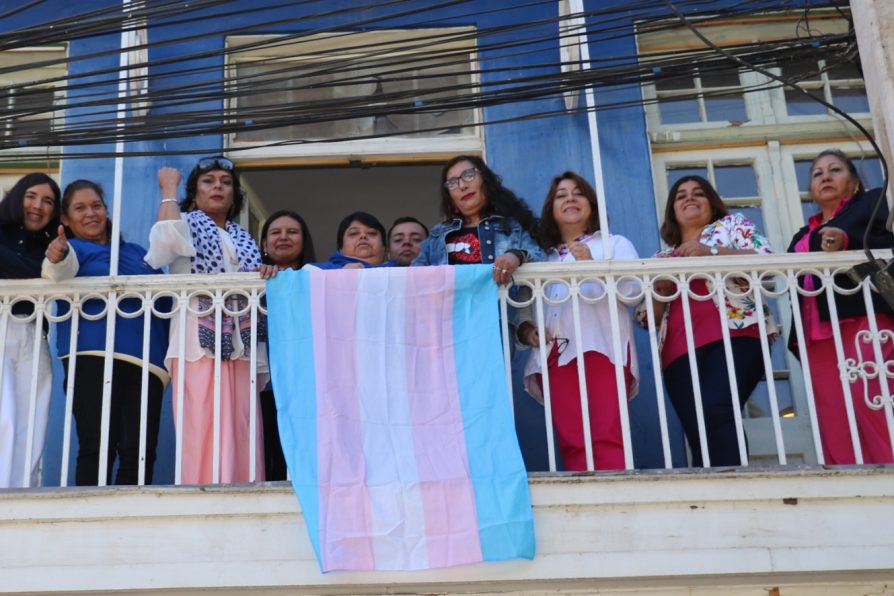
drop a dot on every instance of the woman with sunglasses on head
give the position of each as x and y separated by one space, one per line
484 222
698 224
569 231
84 249
29 216
198 235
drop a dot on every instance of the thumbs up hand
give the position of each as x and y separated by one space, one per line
58 247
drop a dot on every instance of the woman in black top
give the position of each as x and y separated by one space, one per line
841 224
29 220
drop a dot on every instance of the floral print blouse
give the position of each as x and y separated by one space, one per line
731 231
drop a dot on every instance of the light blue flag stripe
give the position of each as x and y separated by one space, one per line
499 478
291 343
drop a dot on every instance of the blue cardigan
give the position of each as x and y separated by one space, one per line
93 261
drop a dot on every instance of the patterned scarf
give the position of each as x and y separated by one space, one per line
210 259
563 249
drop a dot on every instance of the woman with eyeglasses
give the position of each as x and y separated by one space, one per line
29 216
698 224
569 231
484 222
198 235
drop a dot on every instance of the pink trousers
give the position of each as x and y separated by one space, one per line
872 429
235 428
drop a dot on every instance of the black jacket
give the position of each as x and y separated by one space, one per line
21 253
853 219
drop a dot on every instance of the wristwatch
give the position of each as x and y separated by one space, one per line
714 251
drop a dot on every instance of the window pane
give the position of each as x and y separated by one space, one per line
809 208
422 83
844 70
798 104
802 172
679 111
722 78
801 71
674 83
414 81
721 109
870 170
674 174
735 181
850 100
39 102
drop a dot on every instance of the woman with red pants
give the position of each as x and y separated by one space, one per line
845 213
569 231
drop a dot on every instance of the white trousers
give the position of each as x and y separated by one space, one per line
19 355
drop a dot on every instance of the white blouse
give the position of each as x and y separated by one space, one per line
595 318
170 243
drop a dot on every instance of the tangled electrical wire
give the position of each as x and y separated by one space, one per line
437 72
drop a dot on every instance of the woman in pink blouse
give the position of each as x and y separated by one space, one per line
697 224
845 213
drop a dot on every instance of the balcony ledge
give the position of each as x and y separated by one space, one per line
649 532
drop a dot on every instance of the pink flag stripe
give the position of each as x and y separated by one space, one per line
344 511
451 521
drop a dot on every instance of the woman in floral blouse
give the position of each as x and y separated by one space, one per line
697 224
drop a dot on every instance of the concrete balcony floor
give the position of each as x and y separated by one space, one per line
778 531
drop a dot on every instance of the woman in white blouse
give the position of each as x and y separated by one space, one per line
569 231
198 235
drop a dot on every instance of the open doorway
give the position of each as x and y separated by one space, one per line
324 195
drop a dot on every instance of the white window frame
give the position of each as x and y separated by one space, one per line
777 99
765 106
32 77
382 149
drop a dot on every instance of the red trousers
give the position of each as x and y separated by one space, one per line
872 429
605 415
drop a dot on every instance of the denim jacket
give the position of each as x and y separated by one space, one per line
494 241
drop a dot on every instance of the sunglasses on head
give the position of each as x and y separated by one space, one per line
215 163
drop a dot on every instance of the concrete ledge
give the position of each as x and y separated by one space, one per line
665 531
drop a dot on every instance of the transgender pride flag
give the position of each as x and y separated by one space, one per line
395 419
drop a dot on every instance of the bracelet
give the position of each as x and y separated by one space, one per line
163 201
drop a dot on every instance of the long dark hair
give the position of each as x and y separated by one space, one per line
670 229
548 235
12 207
308 254
83 184
500 200
218 162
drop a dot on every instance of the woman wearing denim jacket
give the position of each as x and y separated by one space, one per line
484 222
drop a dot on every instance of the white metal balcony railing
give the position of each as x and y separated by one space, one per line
775 277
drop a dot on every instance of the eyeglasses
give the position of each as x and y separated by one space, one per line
552 360
466 176
216 163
